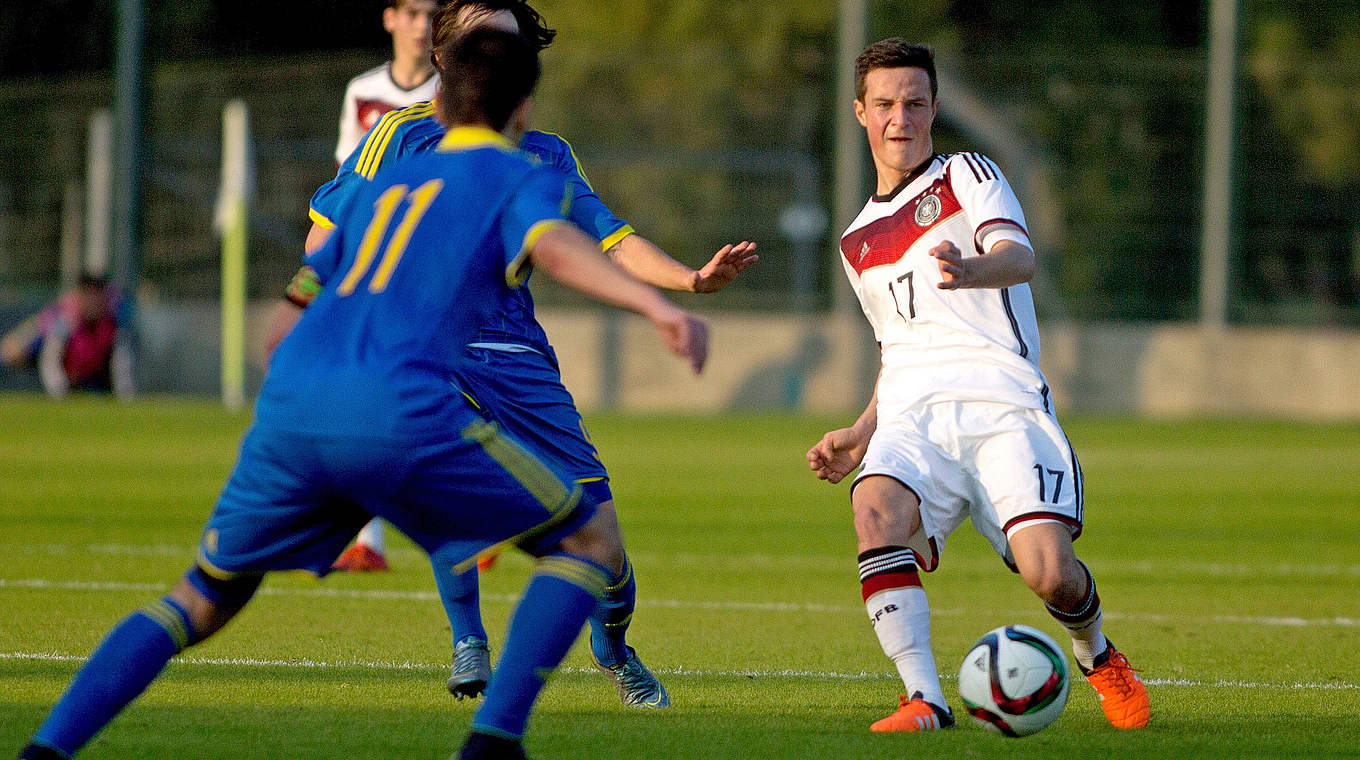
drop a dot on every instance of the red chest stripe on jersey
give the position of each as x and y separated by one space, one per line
886 240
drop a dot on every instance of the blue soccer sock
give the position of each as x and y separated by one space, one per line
462 600
121 667
609 622
561 593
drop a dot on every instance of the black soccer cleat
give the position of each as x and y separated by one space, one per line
481 746
39 752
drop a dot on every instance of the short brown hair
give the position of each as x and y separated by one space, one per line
486 74
444 24
894 53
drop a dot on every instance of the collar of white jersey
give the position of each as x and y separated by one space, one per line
912 175
470 137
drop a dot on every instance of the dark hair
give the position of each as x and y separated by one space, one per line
444 25
486 74
894 53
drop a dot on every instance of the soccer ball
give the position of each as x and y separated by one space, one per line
1014 681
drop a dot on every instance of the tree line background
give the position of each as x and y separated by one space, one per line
703 121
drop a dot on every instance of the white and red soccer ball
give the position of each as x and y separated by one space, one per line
1014 680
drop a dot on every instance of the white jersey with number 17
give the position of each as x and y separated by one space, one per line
943 345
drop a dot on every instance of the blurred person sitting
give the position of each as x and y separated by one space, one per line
77 342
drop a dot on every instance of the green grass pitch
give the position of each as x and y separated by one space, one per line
1228 556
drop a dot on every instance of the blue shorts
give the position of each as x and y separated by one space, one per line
523 392
295 499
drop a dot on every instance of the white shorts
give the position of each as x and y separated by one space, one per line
1004 466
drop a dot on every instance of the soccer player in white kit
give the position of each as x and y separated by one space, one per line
407 79
961 424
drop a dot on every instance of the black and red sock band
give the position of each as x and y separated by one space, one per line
887 567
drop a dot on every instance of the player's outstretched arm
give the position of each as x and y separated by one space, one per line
1005 264
840 451
644 260
568 256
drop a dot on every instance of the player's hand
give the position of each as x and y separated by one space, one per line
953 271
837 454
723 268
684 334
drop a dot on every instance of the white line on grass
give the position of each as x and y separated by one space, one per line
676 604
1134 567
832 675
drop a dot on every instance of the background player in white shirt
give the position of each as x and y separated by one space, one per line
407 79
961 424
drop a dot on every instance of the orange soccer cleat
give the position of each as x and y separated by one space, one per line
915 714
1122 694
487 562
360 559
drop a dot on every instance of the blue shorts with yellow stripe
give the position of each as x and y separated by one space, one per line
523 392
295 499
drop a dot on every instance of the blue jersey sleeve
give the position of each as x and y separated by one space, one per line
587 210
330 198
326 259
536 206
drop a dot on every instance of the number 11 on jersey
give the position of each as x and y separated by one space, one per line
384 209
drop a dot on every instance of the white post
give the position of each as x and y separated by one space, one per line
853 34
99 193
71 223
232 224
1219 134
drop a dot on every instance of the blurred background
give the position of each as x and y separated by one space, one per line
704 122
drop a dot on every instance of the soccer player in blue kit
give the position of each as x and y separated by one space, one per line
513 372
362 414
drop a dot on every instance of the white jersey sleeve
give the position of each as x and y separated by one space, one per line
350 129
986 197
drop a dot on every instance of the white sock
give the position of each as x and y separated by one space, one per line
1083 622
372 535
901 619
1088 641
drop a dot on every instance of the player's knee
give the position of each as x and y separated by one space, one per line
1046 582
881 521
210 602
1058 583
599 540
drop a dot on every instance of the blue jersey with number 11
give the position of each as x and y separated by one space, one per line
428 251
414 131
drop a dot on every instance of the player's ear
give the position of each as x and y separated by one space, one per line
389 18
859 112
519 119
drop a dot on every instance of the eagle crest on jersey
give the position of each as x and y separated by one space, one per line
927 210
